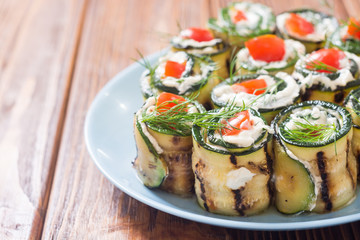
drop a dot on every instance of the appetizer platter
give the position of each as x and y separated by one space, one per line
223 119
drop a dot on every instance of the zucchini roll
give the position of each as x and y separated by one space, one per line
327 74
308 26
347 37
268 53
231 163
269 94
201 42
164 146
182 74
352 104
314 167
240 21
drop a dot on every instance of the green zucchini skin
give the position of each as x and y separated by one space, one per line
150 167
267 113
169 170
221 57
229 33
212 166
309 45
352 104
151 85
245 65
330 164
348 44
321 92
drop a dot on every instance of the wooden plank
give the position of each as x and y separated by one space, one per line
83 204
38 43
77 209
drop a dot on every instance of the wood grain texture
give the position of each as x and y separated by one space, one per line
38 40
54 58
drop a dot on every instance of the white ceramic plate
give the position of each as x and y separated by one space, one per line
110 141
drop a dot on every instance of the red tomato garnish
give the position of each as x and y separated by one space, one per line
266 48
174 69
241 121
354 28
253 86
166 101
328 58
239 16
200 34
297 25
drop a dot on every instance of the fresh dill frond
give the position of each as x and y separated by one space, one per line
317 65
179 121
145 63
309 132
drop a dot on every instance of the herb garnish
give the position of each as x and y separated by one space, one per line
307 131
178 121
317 65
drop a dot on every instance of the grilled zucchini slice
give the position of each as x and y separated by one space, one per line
229 179
281 90
316 135
241 21
164 155
318 26
323 82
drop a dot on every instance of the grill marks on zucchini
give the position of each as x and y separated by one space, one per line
233 159
329 164
239 206
198 168
324 191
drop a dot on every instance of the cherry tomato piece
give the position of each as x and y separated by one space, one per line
174 69
354 28
297 25
200 34
239 16
166 101
327 58
241 121
266 48
253 86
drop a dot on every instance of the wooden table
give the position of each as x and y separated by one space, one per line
55 55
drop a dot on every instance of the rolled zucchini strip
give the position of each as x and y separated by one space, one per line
307 26
327 80
240 21
269 94
201 42
269 54
347 37
232 172
163 153
182 74
314 167
352 104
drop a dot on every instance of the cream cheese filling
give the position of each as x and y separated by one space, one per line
276 99
292 49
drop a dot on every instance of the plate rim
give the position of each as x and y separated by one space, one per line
236 224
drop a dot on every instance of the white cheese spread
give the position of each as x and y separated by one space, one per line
182 84
322 26
292 50
245 138
345 76
238 178
272 100
255 13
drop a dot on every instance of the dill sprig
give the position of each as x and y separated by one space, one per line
309 132
178 121
145 63
318 65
